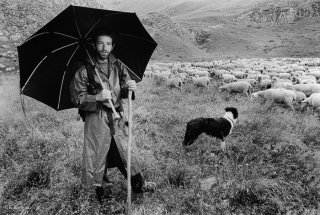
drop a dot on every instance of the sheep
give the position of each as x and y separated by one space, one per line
201 82
307 89
306 81
297 73
227 78
175 82
183 76
238 87
300 96
148 74
278 95
249 80
315 73
218 73
263 76
239 74
201 73
312 101
162 77
282 83
284 75
295 67
264 83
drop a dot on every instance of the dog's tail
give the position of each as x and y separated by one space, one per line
195 127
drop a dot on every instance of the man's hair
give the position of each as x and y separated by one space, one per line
103 32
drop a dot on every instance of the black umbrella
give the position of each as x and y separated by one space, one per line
46 56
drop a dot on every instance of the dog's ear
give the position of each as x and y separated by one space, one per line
233 110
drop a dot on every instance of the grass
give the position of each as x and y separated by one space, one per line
271 165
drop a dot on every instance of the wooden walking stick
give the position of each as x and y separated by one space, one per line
129 152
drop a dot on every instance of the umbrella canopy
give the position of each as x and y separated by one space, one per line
46 56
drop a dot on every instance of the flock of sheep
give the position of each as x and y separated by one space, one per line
287 80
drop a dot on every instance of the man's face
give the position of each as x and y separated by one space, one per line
103 46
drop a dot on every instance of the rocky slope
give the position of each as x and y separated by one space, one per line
282 13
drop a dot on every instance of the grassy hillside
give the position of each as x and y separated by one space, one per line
271 165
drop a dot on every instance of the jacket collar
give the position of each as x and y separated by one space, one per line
112 58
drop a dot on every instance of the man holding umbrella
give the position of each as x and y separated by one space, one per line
105 137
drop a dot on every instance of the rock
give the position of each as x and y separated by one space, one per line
10 69
208 183
15 37
2 66
5 46
164 23
281 13
4 39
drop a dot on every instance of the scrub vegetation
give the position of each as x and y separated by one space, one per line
271 165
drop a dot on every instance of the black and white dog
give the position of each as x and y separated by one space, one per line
215 127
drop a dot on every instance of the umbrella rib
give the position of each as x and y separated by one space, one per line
130 70
33 73
66 46
92 27
64 73
66 35
35 36
75 21
140 38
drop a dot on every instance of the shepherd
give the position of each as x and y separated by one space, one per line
105 136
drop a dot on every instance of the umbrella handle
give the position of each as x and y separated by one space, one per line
129 152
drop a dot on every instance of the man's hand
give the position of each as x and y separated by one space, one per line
131 84
104 95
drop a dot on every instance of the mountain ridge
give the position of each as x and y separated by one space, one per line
203 29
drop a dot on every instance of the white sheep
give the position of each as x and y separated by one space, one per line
148 74
313 101
300 96
175 82
282 83
297 73
296 67
201 82
315 73
218 73
284 75
306 81
183 76
201 73
239 74
279 95
264 83
227 78
263 76
307 89
237 87
249 80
